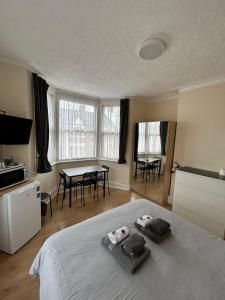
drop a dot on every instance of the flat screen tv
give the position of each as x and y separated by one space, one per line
14 130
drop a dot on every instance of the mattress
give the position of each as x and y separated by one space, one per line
189 265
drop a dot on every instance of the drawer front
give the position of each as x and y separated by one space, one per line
203 197
210 185
213 214
199 221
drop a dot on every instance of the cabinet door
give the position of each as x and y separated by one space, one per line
4 230
24 214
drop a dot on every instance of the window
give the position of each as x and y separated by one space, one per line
149 140
141 137
154 140
77 130
52 131
110 127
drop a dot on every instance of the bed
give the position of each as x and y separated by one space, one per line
189 265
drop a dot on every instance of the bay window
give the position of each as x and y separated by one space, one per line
77 131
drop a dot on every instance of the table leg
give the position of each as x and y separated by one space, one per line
135 176
70 190
159 168
104 184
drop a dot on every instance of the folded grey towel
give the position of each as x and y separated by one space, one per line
127 263
157 238
133 245
159 226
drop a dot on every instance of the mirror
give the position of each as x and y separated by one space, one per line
151 167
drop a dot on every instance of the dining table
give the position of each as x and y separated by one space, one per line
149 161
80 171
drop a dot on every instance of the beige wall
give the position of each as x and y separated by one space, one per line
140 110
15 95
200 138
160 110
16 99
163 110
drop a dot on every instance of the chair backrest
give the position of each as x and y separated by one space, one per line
62 176
90 175
105 167
157 157
141 162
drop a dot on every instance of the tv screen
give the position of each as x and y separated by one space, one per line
14 131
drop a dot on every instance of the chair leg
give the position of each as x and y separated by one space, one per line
97 191
108 187
50 198
62 202
83 194
83 197
58 192
64 193
146 178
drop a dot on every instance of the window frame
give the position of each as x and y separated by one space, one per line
105 103
156 153
80 100
51 93
146 139
98 103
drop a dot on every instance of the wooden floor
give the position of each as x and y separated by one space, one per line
14 280
152 189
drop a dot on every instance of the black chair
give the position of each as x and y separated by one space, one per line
159 164
46 198
101 177
155 167
65 182
142 167
89 180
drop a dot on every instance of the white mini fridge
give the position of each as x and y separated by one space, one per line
20 216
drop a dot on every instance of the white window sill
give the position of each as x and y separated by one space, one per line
108 159
83 159
73 160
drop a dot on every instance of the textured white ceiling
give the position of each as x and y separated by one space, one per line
90 46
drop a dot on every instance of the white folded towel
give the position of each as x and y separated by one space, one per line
118 235
144 220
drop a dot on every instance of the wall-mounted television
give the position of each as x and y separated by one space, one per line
14 130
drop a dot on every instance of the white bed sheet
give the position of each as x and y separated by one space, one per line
190 265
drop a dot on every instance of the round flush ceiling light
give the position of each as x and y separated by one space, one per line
152 48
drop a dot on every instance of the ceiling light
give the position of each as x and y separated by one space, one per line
152 48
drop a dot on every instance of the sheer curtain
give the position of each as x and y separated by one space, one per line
110 127
149 140
141 138
77 130
153 137
52 128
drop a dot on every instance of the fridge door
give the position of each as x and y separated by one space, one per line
24 215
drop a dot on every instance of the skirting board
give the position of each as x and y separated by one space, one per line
112 184
120 186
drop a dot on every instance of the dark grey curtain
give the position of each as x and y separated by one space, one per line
124 116
41 122
136 136
163 136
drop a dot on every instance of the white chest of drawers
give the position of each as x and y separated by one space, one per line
199 197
